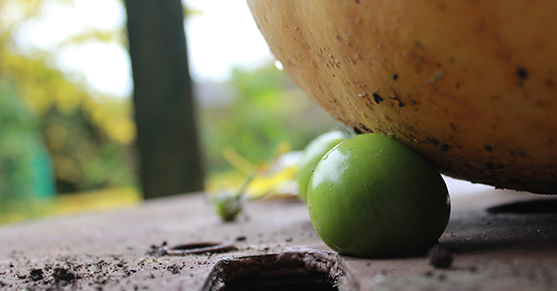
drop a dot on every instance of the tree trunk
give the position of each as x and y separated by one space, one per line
168 142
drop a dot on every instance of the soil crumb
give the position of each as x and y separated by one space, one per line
36 274
174 269
158 251
62 274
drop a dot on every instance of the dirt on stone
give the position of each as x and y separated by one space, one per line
36 274
62 274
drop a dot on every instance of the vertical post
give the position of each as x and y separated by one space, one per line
168 142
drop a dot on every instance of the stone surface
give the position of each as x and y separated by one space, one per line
111 250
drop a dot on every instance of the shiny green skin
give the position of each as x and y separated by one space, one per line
313 152
372 196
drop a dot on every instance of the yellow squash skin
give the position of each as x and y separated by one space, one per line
471 85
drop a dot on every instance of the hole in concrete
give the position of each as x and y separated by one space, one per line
195 245
191 249
311 270
200 248
539 206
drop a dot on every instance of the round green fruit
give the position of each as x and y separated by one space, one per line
228 205
372 196
313 152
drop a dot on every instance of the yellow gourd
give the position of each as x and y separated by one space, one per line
471 85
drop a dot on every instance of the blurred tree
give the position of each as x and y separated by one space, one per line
89 138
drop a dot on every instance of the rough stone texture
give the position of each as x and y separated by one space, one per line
110 250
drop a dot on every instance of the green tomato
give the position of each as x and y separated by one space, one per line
372 196
228 205
313 152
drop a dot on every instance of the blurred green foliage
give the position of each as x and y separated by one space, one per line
266 109
89 139
25 169
56 135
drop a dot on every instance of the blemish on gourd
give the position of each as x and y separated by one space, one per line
522 75
359 85
365 128
436 77
400 103
377 98
419 45
444 147
492 166
432 140
442 6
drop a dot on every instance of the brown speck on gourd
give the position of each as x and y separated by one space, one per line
400 103
377 98
522 75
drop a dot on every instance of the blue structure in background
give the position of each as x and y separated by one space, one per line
42 173
25 164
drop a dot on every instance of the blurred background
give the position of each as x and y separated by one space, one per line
68 109
68 138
